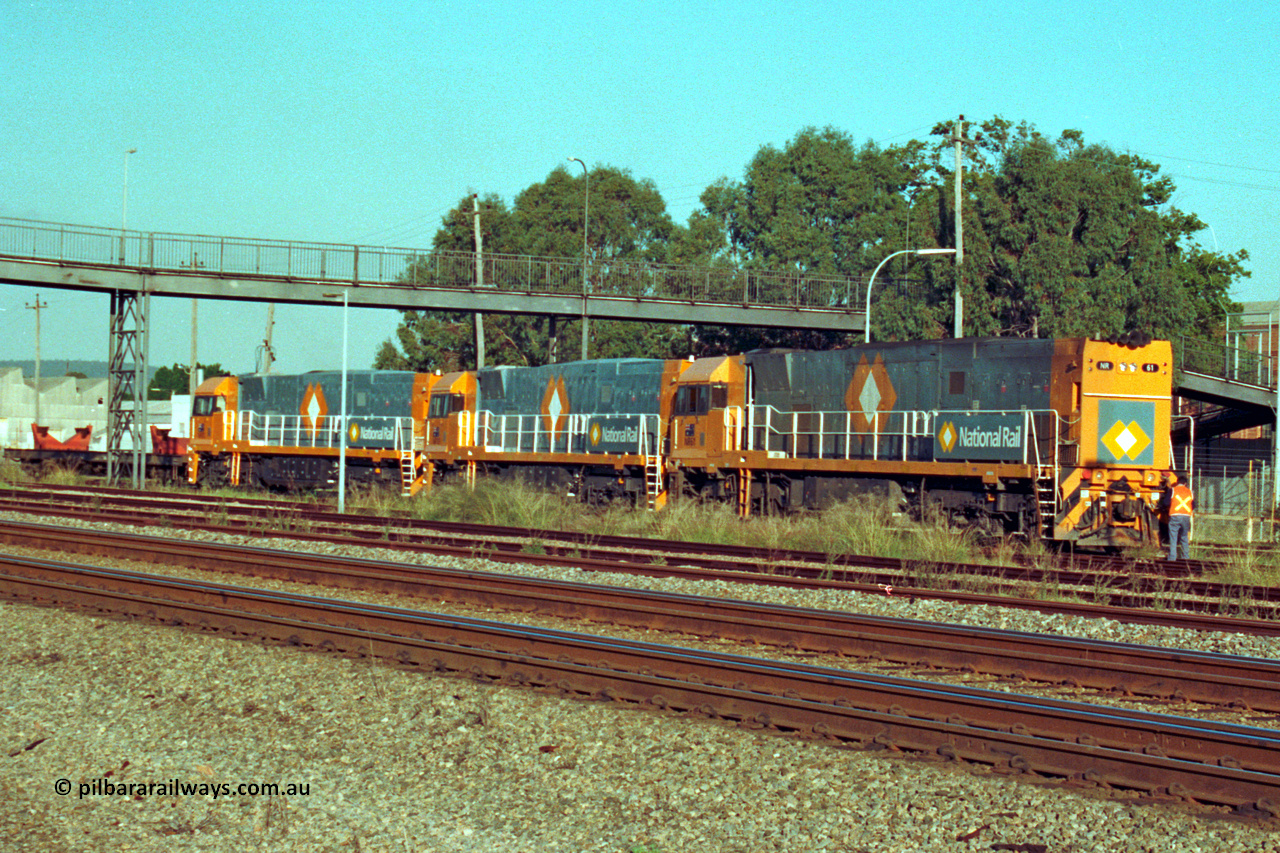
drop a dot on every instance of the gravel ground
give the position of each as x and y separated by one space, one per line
394 760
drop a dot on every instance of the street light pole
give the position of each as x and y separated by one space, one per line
342 452
866 320
586 206
124 202
37 308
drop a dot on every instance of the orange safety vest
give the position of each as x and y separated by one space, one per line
1180 500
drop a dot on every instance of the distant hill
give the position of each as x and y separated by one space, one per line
50 367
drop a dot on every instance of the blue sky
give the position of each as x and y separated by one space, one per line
365 123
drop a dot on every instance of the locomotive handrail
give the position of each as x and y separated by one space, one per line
733 427
835 435
526 433
835 430
261 430
288 430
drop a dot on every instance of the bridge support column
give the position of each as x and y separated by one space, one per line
127 387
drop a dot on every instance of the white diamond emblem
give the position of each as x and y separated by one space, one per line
555 407
869 399
1126 440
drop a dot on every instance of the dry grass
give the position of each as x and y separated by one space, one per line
862 526
1251 567
11 472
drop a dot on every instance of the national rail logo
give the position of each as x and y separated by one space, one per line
947 436
1126 441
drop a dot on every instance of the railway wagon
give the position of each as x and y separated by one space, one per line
595 429
166 462
1063 439
285 431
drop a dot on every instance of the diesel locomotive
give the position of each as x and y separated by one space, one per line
1066 440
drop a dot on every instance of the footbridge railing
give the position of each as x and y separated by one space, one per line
1222 361
409 267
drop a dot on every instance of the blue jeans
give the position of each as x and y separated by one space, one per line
1179 536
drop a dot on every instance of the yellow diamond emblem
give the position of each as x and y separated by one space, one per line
1126 441
947 436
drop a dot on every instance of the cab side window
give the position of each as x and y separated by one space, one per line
443 405
206 406
693 400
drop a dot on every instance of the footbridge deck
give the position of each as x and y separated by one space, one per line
102 259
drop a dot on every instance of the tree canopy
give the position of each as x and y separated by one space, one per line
627 220
168 381
1061 238
1064 238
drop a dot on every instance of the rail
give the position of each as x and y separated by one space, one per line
581 433
898 436
1214 762
421 268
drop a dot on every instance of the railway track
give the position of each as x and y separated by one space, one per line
1098 567
1126 669
1214 763
1188 603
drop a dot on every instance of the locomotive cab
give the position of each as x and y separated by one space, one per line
213 419
213 409
451 404
707 409
1119 398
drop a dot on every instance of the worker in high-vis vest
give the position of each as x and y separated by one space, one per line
1181 505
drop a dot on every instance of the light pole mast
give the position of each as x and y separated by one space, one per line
958 139
124 202
36 307
866 316
475 215
586 207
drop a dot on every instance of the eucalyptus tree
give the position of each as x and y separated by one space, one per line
1066 238
627 221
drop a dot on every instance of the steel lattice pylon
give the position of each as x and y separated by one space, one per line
127 387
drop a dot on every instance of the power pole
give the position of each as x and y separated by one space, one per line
475 211
36 307
958 138
192 380
268 353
